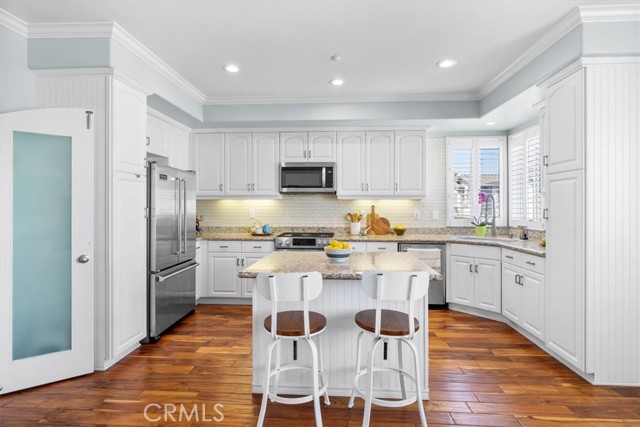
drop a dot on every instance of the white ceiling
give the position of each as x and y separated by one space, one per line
388 48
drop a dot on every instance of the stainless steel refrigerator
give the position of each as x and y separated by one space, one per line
172 246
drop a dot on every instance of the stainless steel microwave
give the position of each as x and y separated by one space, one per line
307 177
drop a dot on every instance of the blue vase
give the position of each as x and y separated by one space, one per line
266 229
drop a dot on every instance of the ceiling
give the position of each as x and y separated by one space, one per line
388 48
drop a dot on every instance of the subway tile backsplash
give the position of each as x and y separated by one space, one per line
320 210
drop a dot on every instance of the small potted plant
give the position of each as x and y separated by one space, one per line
481 226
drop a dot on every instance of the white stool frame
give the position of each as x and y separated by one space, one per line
288 287
405 286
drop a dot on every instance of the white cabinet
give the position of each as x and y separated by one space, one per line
382 247
475 276
565 301
265 155
128 321
208 161
523 291
381 164
156 136
129 128
308 147
237 161
226 259
178 147
168 139
358 246
410 161
564 124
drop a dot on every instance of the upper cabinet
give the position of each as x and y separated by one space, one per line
129 128
307 147
208 161
264 164
381 164
237 159
564 124
168 139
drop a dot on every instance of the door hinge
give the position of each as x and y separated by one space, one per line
545 160
146 212
89 114
545 213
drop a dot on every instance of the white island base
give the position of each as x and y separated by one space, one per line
339 302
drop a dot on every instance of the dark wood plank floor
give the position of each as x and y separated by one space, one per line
482 374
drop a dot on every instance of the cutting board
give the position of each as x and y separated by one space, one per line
371 218
381 226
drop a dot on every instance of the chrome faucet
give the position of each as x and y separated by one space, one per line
493 214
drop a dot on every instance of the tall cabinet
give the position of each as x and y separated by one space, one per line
120 117
592 270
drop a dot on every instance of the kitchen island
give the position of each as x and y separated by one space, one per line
341 298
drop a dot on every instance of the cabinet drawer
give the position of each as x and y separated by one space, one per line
382 247
476 251
533 263
225 246
358 246
259 246
512 257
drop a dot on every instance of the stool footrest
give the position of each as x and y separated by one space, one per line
302 399
385 402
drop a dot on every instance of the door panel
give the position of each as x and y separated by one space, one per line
511 293
293 147
266 154
189 216
380 163
488 285
533 311
322 146
462 280
223 274
351 164
46 250
410 167
237 151
163 193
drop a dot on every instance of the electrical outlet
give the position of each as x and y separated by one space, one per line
435 214
252 213
416 214
363 213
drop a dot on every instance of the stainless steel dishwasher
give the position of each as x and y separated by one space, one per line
437 288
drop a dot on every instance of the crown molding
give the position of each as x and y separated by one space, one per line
573 19
107 71
418 97
14 23
64 30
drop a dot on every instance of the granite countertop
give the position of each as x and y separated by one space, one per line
303 261
531 247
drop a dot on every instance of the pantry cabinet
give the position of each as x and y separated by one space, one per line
129 130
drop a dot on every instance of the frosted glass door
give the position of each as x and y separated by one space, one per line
46 259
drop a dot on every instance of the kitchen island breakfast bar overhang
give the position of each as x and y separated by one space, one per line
342 297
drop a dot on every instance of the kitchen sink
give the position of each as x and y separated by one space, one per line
487 239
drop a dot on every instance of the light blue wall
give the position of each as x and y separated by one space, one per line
88 52
17 84
611 39
168 109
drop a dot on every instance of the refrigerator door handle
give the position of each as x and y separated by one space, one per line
160 278
179 216
184 216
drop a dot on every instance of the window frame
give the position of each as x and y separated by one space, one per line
527 135
476 143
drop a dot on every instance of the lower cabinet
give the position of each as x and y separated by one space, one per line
226 259
475 281
523 292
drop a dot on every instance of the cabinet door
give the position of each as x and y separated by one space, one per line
533 307
238 149
358 246
488 284
156 136
208 161
462 278
410 163
129 128
177 147
322 147
565 263
247 261
351 164
511 293
293 147
266 154
379 163
128 262
223 274
564 127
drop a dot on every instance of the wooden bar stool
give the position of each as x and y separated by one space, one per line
293 325
390 324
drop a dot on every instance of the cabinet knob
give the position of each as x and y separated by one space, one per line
83 259
148 140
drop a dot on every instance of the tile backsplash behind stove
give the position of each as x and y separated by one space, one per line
321 210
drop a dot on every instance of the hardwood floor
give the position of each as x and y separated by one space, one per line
482 374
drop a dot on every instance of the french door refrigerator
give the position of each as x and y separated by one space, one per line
172 246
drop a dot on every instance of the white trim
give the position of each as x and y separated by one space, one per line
14 23
64 30
612 60
107 71
416 97
125 78
575 18
308 129
158 115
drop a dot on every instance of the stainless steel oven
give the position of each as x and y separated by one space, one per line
307 177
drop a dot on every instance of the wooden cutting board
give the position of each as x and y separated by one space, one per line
381 226
371 218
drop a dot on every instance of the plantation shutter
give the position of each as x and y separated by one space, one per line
516 178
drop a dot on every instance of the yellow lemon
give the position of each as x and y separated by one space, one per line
346 245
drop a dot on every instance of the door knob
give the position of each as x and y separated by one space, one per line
83 259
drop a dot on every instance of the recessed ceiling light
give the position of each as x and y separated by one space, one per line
335 58
490 123
231 68
336 82
446 63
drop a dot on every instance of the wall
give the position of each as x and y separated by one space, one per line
16 80
328 211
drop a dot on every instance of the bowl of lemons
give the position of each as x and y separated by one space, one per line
338 251
399 229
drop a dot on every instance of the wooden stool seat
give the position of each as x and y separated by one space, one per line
291 323
393 323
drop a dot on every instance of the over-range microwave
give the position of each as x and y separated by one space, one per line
307 177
